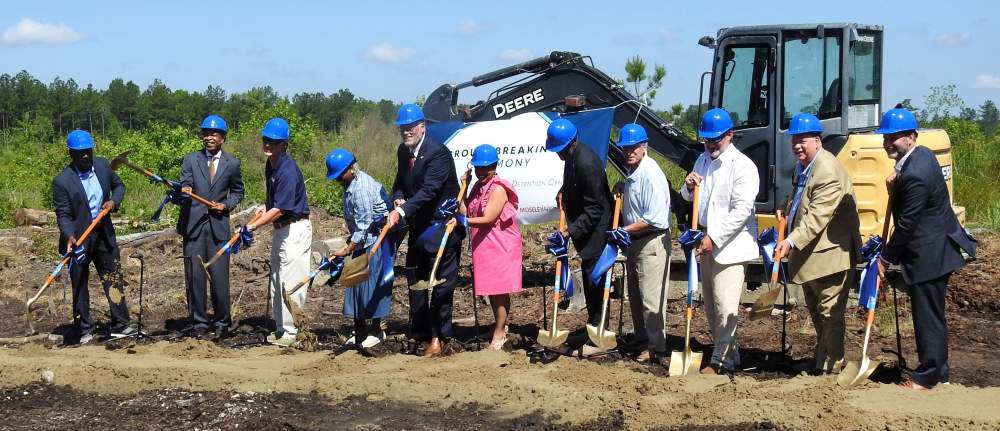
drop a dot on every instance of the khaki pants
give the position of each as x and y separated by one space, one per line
647 259
722 286
291 249
826 298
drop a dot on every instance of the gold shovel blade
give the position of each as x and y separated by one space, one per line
552 338
605 340
684 363
764 304
856 372
355 271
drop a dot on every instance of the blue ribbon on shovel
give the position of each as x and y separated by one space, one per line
867 288
559 247
174 195
446 211
618 240
689 240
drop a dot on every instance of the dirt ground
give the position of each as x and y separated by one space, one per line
239 383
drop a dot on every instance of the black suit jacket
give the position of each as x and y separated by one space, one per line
432 180
927 238
227 189
73 210
587 201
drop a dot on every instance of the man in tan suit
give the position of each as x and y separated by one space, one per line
823 241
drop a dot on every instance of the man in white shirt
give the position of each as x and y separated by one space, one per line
646 217
729 186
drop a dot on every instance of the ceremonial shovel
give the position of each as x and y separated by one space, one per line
224 249
450 226
687 362
555 337
55 272
122 159
599 335
356 268
765 302
855 372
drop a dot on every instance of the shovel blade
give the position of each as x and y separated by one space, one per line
552 338
856 372
684 363
764 304
354 279
605 340
421 285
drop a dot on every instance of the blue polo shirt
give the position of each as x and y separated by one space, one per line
286 189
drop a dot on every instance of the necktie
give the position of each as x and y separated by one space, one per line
211 170
413 161
800 186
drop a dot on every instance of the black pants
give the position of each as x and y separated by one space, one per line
931 330
434 320
105 258
201 243
592 292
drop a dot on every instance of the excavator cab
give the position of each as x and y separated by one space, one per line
763 75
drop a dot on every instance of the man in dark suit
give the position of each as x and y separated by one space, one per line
425 177
215 175
927 242
81 191
586 198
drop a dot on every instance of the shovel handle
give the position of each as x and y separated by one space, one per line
888 217
618 211
695 204
378 243
163 181
66 257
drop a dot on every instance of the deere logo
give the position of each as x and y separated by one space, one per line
501 109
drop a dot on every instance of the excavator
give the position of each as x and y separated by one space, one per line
762 75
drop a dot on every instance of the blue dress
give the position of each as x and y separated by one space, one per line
364 200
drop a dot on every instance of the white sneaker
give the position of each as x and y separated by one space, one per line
373 341
350 341
286 340
86 338
128 331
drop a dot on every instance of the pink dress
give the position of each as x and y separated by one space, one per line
496 250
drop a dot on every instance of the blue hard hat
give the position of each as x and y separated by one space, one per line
561 133
484 155
275 129
896 120
804 123
631 135
79 140
408 114
714 123
337 162
214 122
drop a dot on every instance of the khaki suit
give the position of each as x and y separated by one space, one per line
826 243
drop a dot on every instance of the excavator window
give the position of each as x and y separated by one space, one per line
811 73
744 85
865 90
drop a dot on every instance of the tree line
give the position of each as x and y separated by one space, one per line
54 109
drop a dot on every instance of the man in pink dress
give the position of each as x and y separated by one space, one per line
496 239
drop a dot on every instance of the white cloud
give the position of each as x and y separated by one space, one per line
951 39
470 27
28 31
518 55
987 81
388 53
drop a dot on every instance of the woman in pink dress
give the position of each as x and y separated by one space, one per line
495 239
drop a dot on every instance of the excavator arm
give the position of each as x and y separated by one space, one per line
562 82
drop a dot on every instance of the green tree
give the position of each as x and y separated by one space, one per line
989 118
635 69
942 102
123 101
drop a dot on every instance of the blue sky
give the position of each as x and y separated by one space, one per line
398 51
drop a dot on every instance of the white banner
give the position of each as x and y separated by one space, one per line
535 173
